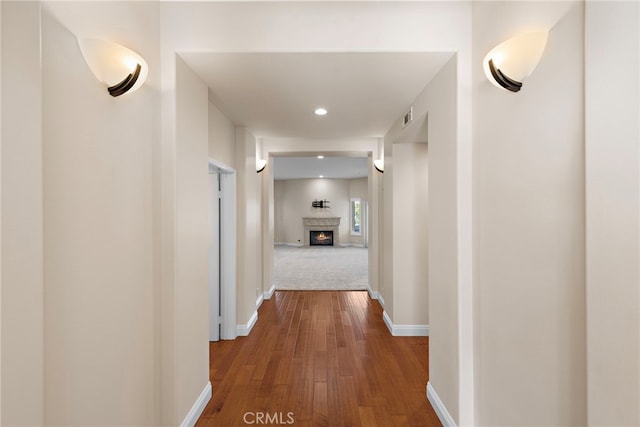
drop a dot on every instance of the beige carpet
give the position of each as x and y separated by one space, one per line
320 268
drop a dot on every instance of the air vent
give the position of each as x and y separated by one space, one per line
407 117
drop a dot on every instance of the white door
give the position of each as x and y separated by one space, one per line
214 260
222 253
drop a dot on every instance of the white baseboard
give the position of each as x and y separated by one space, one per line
269 293
198 407
259 301
381 299
441 411
387 321
405 330
372 294
245 330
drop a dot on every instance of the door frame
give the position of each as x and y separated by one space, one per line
227 176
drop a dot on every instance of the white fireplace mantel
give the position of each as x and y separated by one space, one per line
321 224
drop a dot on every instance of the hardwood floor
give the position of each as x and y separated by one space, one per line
319 358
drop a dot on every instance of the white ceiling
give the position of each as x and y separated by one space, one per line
274 94
312 167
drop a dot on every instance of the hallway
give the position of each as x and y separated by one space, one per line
502 227
320 359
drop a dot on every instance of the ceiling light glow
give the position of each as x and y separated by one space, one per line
320 111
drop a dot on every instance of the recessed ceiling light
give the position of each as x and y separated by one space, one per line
320 112
321 156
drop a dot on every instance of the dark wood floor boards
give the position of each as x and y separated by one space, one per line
325 357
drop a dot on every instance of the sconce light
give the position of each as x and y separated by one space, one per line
260 165
512 61
120 68
379 165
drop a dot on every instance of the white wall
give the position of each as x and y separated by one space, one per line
221 137
374 195
22 217
178 218
436 117
76 231
268 228
249 226
293 202
192 238
529 223
99 293
278 214
613 213
410 235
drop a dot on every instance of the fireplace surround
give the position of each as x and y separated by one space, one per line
321 224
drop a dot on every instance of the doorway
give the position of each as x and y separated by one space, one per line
222 252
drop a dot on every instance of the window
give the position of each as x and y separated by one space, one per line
356 212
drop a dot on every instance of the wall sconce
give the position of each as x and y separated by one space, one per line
379 165
260 165
120 68
512 61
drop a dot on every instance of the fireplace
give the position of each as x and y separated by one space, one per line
321 238
318 224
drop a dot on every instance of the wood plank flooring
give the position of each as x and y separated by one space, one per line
319 358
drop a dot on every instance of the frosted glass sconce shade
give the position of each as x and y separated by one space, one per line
379 165
512 61
119 68
260 165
